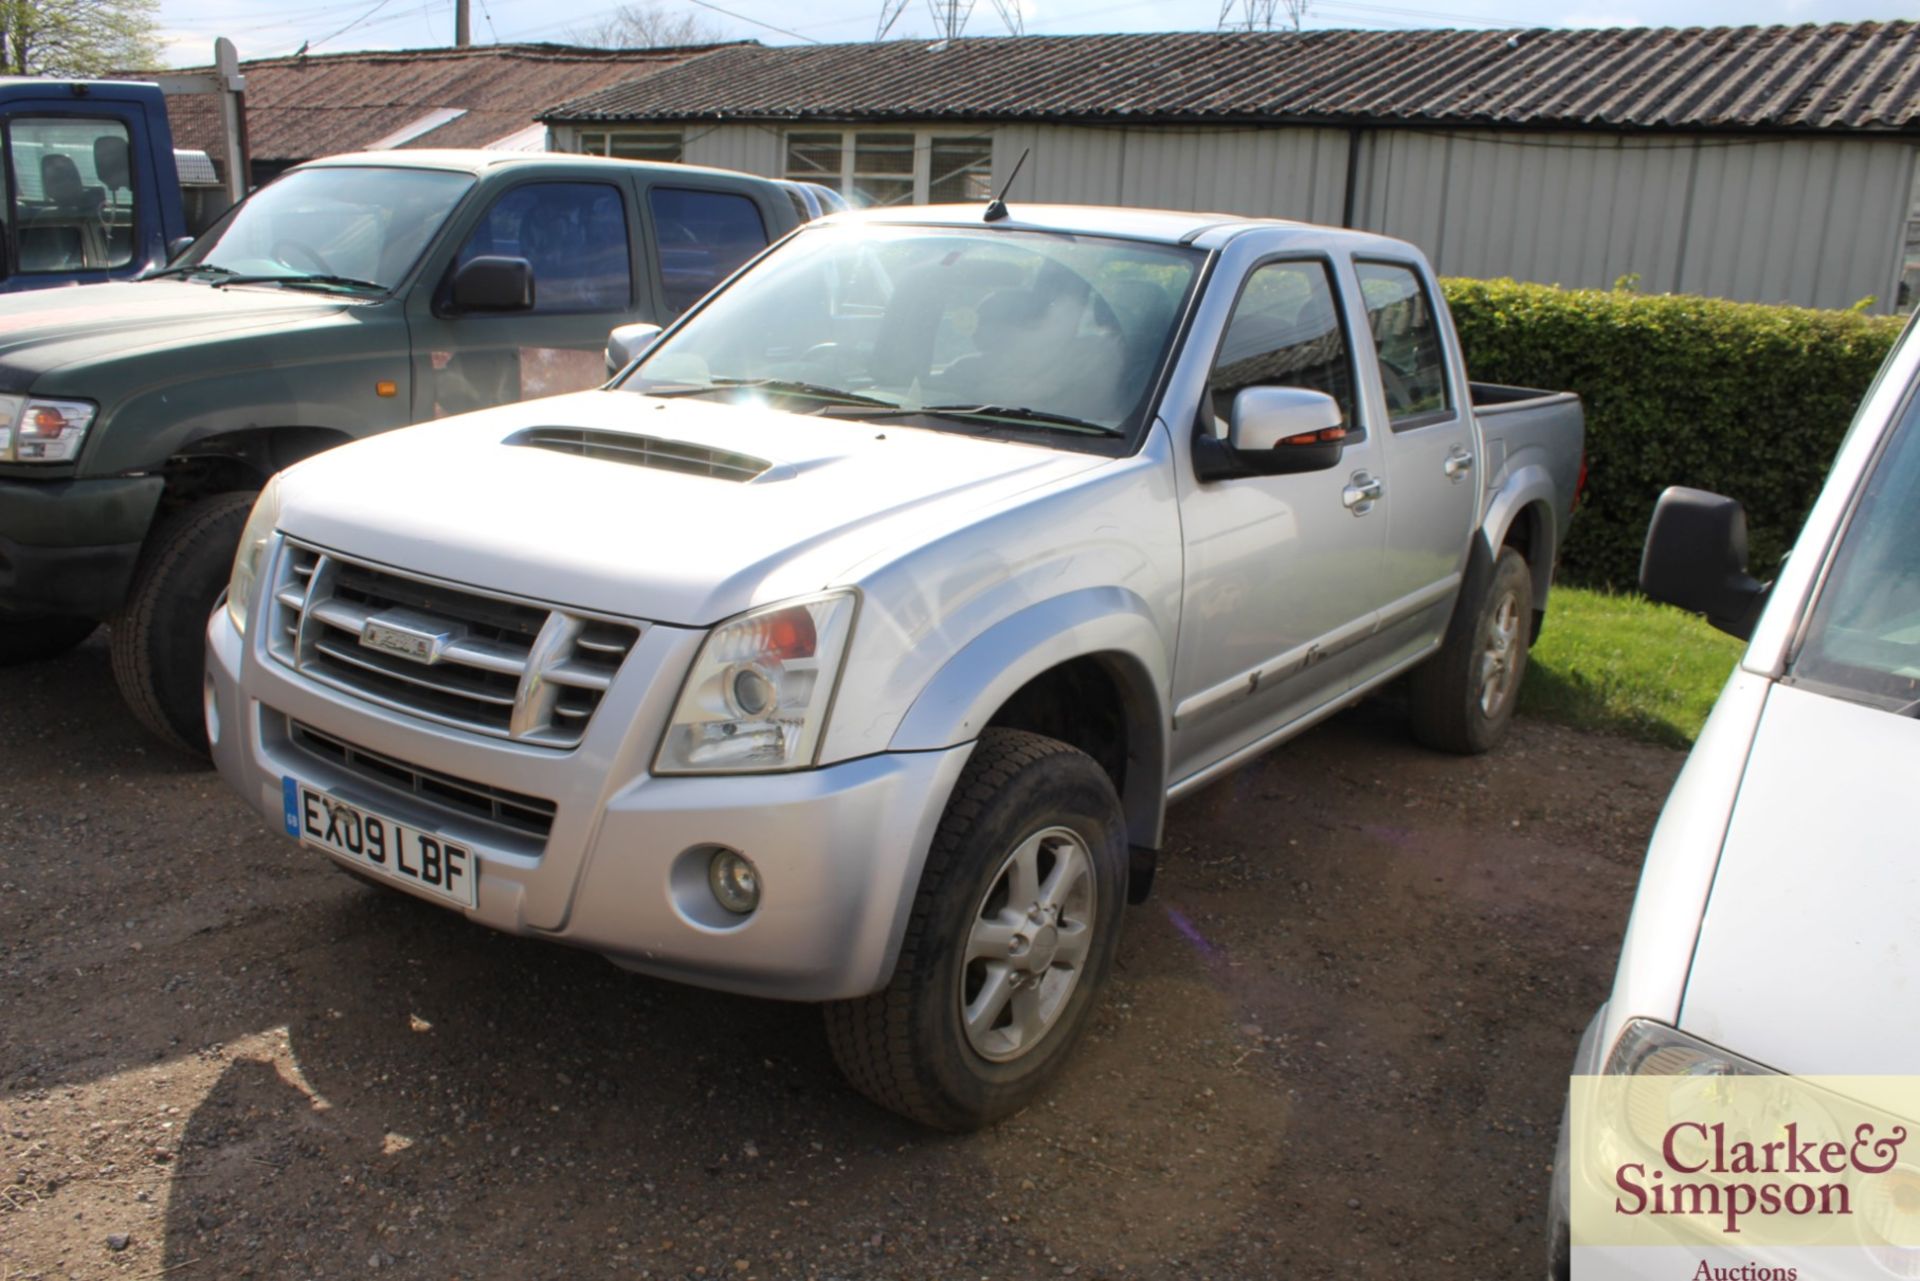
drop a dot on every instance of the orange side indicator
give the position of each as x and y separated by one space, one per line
1325 437
386 387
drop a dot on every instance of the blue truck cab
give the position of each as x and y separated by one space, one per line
93 191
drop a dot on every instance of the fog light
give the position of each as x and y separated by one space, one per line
735 882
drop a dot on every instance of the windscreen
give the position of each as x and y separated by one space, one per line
357 224
1863 640
1065 333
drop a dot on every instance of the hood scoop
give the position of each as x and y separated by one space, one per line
643 451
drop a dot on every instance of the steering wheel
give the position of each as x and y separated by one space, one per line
300 248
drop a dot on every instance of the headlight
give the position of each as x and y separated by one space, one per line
43 431
250 559
1646 1048
758 694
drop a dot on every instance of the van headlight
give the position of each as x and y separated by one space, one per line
43 431
250 558
758 695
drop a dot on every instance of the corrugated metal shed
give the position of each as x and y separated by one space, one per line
299 108
1843 76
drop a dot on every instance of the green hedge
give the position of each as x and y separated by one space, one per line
1744 399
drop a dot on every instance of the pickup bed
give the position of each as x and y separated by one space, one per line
351 295
851 643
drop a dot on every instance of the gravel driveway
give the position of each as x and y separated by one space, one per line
1336 1046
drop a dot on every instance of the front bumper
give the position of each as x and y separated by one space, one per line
1586 1062
839 849
69 546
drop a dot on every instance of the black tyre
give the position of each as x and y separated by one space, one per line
1463 697
28 640
1012 936
159 643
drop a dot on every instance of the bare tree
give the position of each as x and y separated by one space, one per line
77 37
647 24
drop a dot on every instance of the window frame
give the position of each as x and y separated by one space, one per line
653 245
606 136
924 138
9 219
1357 431
1449 413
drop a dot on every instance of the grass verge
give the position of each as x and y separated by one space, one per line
1627 665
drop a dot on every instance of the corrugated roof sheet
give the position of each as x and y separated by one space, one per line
299 108
1841 76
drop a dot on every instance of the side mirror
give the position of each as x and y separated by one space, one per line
1696 558
493 283
1274 431
178 245
626 343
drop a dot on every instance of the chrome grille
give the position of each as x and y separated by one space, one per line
491 664
512 811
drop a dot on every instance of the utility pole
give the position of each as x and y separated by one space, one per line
462 23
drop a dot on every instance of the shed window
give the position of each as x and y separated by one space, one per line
882 169
893 167
961 169
628 144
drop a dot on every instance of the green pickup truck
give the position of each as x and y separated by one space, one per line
352 295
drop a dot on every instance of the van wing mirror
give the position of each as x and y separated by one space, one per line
493 283
626 343
1696 558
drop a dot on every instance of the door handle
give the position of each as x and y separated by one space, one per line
1458 465
1361 493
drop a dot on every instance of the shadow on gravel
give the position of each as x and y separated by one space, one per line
1335 1046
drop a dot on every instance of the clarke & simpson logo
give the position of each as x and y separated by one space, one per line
1750 1177
1812 1173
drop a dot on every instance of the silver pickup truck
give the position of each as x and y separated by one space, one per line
850 644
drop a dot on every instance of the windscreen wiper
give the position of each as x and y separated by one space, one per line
205 268
780 387
343 282
1044 419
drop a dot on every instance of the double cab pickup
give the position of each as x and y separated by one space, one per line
850 644
139 420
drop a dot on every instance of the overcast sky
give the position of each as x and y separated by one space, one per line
263 28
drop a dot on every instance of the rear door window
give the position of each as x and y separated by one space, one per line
704 237
1406 336
573 234
73 194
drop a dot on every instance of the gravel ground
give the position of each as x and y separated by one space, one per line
1336 1046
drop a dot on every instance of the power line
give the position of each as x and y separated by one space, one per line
378 6
753 22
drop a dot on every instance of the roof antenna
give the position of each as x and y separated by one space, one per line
997 210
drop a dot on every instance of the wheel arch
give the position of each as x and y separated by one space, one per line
1079 667
1521 516
218 461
